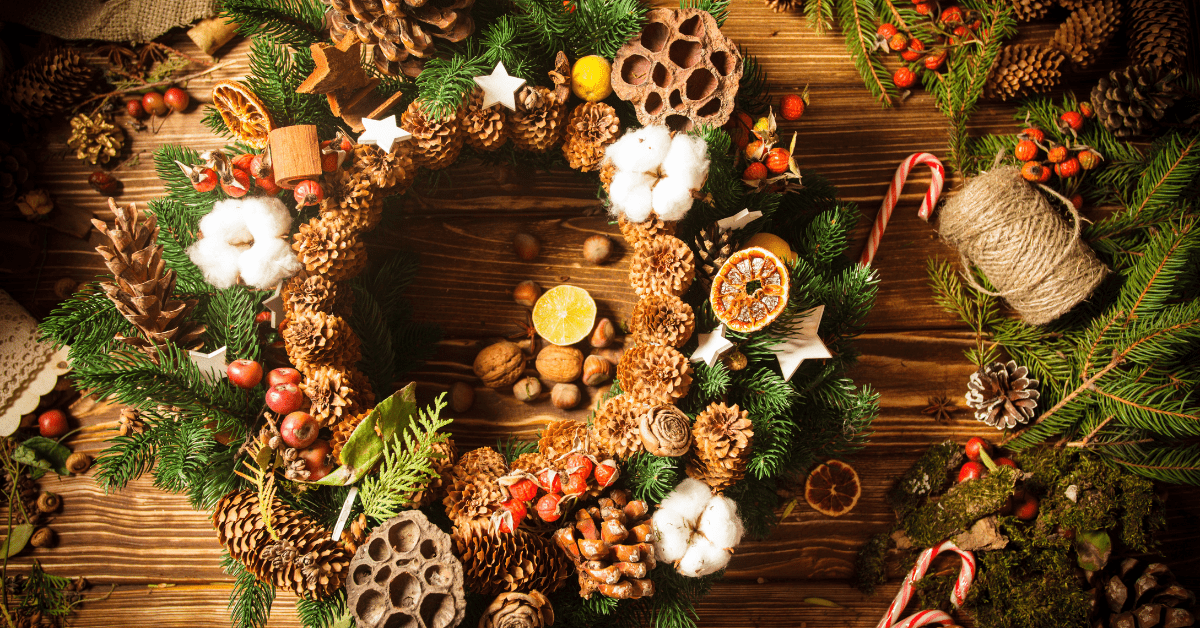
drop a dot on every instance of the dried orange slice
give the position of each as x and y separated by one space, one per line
564 315
242 111
832 488
750 290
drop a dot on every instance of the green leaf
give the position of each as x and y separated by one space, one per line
50 451
1093 550
17 539
30 458
365 446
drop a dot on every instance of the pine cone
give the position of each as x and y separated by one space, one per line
616 426
314 338
390 172
533 462
517 561
1003 395
563 438
537 124
49 84
435 490
611 545
437 143
95 138
641 234
336 393
1158 33
1132 101
329 248
665 431
780 6
713 247
723 435
662 320
342 431
130 422
654 374
316 293
142 284
665 266
14 173
1087 32
1022 70
355 533
484 129
1131 594
473 493
518 610
607 171
355 199
590 129
1030 10
303 560
398 36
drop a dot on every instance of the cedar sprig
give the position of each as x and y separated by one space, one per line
250 599
407 464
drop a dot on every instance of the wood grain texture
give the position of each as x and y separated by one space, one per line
461 225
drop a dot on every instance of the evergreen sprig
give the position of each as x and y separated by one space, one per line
289 22
858 20
322 613
251 599
407 465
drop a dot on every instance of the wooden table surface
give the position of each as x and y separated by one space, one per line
164 558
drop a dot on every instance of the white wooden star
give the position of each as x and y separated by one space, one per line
738 220
211 365
712 346
802 345
382 133
499 87
274 304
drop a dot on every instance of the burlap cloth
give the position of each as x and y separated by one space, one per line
111 20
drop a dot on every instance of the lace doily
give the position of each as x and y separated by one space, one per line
23 362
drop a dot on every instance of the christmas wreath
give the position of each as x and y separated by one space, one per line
345 491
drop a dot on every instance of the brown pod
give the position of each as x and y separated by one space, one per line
587 527
680 71
643 533
613 532
594 549
565 539
612 512
622 590
644 587
295 154
619 497
633 570
636 509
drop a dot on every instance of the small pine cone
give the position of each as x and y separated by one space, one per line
518 561
665 266
654 374
563 438
518 610
1030 10
713 247
1003 395
1022 70
663 320
353 200
640 234
355 534
95 138
316 293
437 143
313 338
473 491
607 172
665 431
1159 32
443 461
616 426
1131 101
327 247
342 431
538 122
337 393
532 463
781 6
1087 32
484 129
722 436
590 129
391 173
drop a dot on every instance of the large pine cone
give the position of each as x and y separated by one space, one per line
662 320
473 493
1131 594
590 129
398 35
1029 10
518 561
1087 32
538 122
49 84
484 129
722 438
1159 33
437 142
1003 395
1132 101
641 234
1023 70
651 374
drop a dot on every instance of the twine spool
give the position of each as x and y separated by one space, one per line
295 154
1037 261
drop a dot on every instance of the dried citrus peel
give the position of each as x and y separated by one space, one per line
751 290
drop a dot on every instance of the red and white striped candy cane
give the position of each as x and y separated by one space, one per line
924 618
965 576
893 196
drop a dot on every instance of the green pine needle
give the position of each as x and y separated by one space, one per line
250 600
287 22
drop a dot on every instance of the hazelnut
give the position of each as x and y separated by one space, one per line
560 364
603 334
526 247
596 370
735 360
527 389
500 365
462 397
564 396
43 537
48 502
597 249
78 463
527 292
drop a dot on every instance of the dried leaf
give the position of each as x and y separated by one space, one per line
18 538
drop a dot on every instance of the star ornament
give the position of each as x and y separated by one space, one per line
499 87
738 220
211 365
802 345
274 305
382 133
712 346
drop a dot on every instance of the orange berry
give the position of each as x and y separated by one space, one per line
778 160
755 171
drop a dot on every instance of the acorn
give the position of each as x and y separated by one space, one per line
597 249
43 537
48 502
462 397
78 463
564 396
527 292
527 389
526 247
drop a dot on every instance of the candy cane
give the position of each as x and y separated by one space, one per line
965 576
925 617
893 196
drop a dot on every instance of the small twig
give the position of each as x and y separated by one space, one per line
1092 434
171 81
179 53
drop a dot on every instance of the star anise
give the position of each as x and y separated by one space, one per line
150 53
941 408
118 55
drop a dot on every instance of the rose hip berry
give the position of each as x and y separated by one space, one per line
974 446
516 511
904 78
791 107
525 490
547 507
551 480
1026 150
1073 120
606 473
887 30
755 171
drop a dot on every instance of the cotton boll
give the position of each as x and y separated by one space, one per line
688 499
673 533
721 524
642 150
266 217
225 223
267 263
631 195
672 198
687 160
217 259
703 558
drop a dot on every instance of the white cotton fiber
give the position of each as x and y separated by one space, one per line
702 558
267 263
671 199
720 523
673 534
217 259
265 217
642 150
688 499
225 224
631 195
687 160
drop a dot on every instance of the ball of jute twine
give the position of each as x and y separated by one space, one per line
1005 227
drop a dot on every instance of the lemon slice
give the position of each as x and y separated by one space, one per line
564 315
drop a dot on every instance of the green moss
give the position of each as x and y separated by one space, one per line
933 591
930 475
1030 585
961 506
869 568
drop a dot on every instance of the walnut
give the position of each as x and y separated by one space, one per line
560 364
500 365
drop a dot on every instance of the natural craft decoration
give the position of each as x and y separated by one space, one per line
697 530
655 173
518 610
1003 395
399 35
243 113
751 290
680 71
664 267
244 240
611 546
662 320
405 573
95 138
295 154
723 436
665 431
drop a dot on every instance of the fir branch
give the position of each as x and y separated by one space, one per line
407 465
446 81
719 9
126 459
287 22
753 94
322 613
544 23
87 323
250 600
858 19
651 477
1165 462
819 15
275 72
512 448
370 324
229 317
978 310
601 27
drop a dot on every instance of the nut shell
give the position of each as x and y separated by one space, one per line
565 396
500 365
596 370
44 537
48 502
527 389
462 397
78 463
560 364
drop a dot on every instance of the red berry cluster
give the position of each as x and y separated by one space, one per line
157 104
979 456
1043 158
768 167
551 491
942 29
298 429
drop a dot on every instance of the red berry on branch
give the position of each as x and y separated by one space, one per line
283 376
1034 135
1047 171
898 42
308 192
961 31
550 480
243 161
53 423
951 15
329 160
262 318
970 471
606 473
1006 462
1068 168
915 49
1032 171
1072 119
299 429
1077 201
904 78
755 171
238 184
1086 109
135 109
886 30
1089 159
515 512
923 8
739 127
1026 150
547 507
936 59
579 464
244 373
575 484
778 160
284 398
154 104
176 99
791 107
